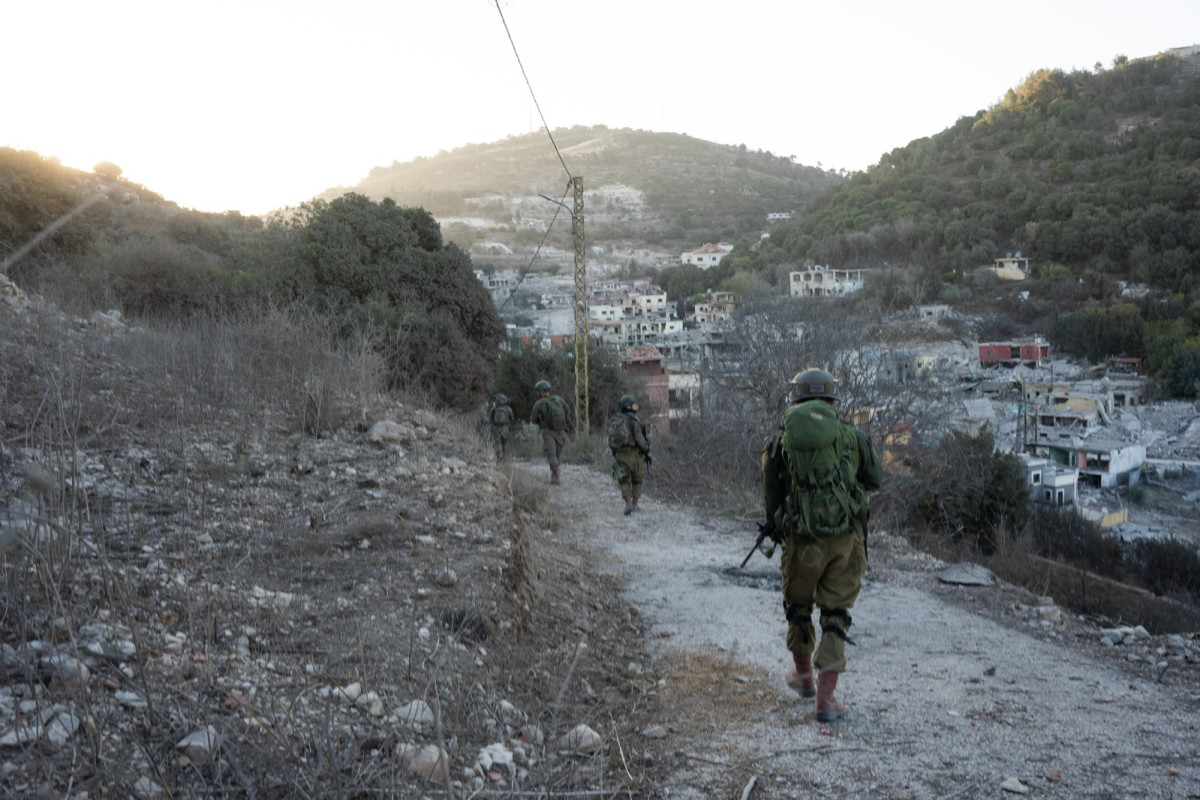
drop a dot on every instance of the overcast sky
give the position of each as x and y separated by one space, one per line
256 104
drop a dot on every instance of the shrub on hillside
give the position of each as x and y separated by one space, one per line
962 488
385 271
1169 568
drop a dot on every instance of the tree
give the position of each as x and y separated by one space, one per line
107 170
385 270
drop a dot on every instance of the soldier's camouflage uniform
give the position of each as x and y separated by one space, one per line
825 572
630 459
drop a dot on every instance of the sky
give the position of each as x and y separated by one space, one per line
255 105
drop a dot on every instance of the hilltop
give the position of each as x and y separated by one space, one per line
661 189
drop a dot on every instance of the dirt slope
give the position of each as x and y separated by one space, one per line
952 690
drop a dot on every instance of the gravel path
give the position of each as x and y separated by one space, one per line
944 702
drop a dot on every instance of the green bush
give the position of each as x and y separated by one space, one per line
963 489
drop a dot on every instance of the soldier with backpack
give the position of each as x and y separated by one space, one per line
550 414
630 448
500 417
817 471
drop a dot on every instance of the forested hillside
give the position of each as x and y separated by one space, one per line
1092 170
690 191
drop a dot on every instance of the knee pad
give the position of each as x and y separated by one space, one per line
836 621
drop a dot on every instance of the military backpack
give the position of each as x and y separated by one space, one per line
822 461
555 410
620 432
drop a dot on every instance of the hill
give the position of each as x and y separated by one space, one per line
659 189
1098 171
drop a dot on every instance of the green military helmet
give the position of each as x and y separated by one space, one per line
627 402
501 400
542 386
813 384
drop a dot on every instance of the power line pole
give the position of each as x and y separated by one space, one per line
581 311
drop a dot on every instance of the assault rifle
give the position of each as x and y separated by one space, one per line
765 531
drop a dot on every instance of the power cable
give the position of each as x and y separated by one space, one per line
529 266
531 94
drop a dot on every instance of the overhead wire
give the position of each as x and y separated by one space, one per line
557 152
531 94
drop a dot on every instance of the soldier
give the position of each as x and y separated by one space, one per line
817 471
550 414
501 417
630 449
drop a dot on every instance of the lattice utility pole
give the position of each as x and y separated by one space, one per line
581 312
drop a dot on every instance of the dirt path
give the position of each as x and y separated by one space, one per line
944 701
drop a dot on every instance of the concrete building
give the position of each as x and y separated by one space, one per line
707 255
821 281
1051 483
1101 464
717 308
499 285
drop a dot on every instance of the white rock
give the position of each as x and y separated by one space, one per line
429 762
1015 786
370 704
21 735
655 732
60 729
581 739
71 672
509 713
129 699
446 577
389 432
146 789
199 746
496 755
415 714
349 692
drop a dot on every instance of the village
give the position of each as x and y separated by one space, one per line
1085 433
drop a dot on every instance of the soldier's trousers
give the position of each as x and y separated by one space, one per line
826 573
552 445
628 471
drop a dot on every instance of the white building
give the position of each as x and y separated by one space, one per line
708 255
821 281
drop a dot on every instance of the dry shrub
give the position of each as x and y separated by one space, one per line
530 492
273 367
1062 555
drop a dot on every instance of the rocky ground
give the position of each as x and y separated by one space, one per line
205 600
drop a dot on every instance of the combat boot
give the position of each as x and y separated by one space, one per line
828 707
554 475
635 506
800 679
628 506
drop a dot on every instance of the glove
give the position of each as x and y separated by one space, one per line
769 529
647 459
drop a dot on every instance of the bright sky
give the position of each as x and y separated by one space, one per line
258 104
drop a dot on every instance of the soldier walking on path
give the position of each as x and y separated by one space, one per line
817 471
631 450
550 414
501 417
